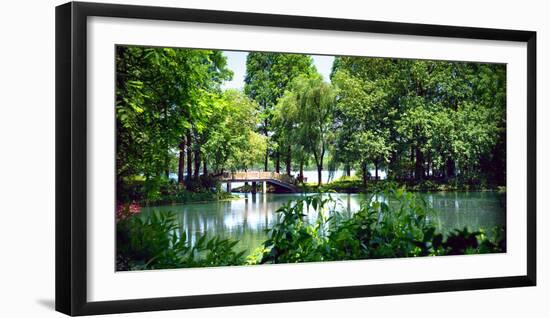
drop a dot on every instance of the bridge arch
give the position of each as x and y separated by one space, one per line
284 181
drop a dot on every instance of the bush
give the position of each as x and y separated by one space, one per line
354 185
161 190
153 242
291 239
396 226
202 184
130 190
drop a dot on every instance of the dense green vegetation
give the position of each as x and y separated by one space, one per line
418 120
426 124
268 76
354 184
173 116
155 243
392 223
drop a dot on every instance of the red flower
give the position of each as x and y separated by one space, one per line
125 210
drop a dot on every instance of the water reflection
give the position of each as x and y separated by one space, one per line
247 218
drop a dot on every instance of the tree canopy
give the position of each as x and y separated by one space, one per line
424 119
414 119
268 76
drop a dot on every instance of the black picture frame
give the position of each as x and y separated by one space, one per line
71 157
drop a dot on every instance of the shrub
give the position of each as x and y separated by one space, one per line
291 239
153 242
392 223
161 190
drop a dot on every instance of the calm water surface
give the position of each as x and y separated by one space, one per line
247 218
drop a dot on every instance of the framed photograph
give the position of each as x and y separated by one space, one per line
208 158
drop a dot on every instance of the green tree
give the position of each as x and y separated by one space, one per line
250 152
316 102
363 134
232 134
434 117
267 77
163 97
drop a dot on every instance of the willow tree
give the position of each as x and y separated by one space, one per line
315 102
268 76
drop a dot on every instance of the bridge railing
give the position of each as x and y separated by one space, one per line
257 175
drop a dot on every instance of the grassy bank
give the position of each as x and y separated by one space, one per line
355 185
165 191
184 196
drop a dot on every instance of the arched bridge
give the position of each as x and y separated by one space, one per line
281 180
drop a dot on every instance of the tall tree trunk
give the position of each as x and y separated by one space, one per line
449 168
376 169
167 157
348 169
319 174
277 161
411 171
289 160
320 168
167 166
364 167
429 170
267 148
419 164
181 162
391 171
204 168
189 156
301 170
197 163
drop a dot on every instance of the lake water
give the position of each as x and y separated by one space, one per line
247 218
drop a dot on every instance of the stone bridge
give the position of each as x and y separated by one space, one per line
277 179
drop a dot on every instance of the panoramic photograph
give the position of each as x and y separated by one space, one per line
234 158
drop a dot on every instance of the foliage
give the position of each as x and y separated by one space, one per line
170 108
354 184
252 152
363 132
393 223
155 242
431 125
291 239
422 119
418 120
166 191
305 114
233 143
268 76
162 94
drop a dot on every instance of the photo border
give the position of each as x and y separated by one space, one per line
71 157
